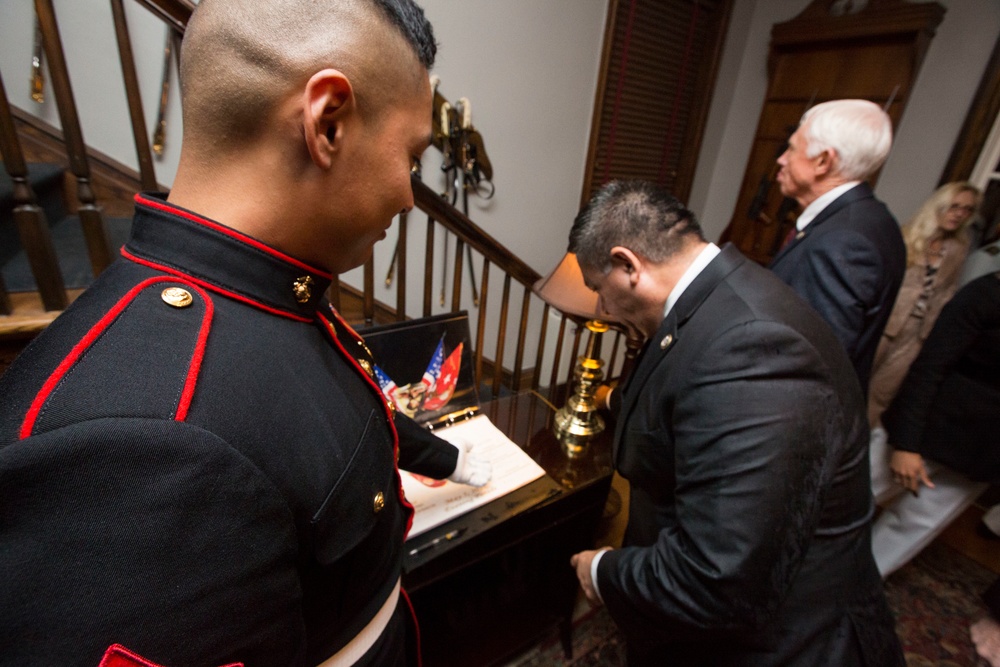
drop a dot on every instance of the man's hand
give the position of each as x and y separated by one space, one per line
601 395
469 468
581 563
908 470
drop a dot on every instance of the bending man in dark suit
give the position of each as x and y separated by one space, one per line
743 436
847 258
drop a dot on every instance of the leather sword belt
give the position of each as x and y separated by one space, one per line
364 640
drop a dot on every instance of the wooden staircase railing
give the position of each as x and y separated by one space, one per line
494 323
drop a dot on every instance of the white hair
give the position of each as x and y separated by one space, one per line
858 131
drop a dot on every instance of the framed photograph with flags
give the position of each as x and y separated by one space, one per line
425 368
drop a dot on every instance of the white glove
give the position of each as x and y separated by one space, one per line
470 469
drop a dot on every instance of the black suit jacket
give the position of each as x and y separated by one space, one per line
742 434
948 408
848 264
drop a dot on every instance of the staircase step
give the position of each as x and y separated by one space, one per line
71 249
46 181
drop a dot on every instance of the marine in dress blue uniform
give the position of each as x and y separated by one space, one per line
194 461
195 464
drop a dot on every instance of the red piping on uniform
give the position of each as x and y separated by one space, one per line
199 354
228 231
416 626
119 656
378 392
95 332
209 286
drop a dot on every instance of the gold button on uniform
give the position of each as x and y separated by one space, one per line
379 502
667 340
177 297
366 367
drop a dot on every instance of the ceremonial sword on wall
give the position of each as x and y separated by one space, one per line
37 60
466 166
170 53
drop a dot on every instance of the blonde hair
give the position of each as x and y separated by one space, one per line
923 227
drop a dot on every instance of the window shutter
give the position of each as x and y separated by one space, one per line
658 69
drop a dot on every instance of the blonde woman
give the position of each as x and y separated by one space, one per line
937 243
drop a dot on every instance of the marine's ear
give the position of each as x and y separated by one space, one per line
327 101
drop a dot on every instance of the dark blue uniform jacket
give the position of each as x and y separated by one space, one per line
194 463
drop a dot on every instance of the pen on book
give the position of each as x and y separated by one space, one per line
447 537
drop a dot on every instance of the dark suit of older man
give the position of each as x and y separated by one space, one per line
847 259
848 264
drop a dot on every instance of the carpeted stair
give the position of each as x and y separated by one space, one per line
67 234
47 182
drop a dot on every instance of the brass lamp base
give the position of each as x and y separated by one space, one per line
577 421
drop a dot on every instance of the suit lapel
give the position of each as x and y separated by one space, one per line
860 191
671 330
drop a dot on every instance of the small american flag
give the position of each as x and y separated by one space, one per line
386 383
434 368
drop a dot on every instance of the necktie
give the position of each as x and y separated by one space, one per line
789 237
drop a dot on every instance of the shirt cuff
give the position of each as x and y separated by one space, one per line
593 572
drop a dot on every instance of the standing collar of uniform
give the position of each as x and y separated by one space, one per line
817 205
703 259
176 241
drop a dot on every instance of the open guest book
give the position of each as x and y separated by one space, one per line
425 368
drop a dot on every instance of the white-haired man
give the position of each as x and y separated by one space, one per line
847 258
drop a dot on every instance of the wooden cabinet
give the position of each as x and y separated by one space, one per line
506 582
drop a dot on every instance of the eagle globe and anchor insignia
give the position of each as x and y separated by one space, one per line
302 288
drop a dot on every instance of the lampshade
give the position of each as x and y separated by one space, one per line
564 290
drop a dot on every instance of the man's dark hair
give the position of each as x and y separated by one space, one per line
240 58
637 215
414 26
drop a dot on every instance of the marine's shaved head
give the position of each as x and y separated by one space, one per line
240 58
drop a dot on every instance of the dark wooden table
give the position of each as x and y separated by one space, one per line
506 583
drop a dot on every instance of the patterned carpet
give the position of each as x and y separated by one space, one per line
934 598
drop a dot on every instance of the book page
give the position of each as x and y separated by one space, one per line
438 501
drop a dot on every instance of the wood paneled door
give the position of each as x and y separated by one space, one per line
832 50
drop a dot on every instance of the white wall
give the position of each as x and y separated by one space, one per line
95 74
930 125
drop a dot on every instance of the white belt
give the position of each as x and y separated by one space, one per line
365 639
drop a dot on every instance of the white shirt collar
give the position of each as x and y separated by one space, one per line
821 202
703 259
